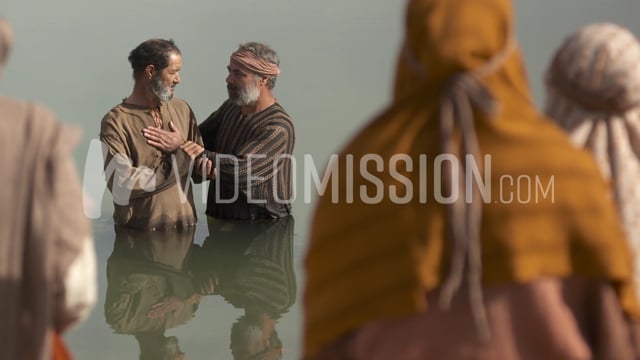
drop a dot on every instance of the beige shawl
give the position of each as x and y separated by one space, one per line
42 226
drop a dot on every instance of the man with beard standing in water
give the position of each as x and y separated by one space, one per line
149 141
249 141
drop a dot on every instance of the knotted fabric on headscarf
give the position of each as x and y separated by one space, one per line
593 92
464 93
253 63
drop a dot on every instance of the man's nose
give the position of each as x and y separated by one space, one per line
177 80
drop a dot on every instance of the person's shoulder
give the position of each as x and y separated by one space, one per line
120 114
17 112
114 113
113 121
278 108
551 138
179 104
13 117
35 123
11 106
277 114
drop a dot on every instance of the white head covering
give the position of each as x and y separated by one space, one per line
593 92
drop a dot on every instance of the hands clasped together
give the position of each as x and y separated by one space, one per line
169 141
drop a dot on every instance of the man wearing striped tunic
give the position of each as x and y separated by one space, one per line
249 142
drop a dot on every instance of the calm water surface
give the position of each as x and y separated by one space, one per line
148 286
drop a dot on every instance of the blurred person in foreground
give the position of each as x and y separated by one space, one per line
593 92
445 266
48 275
149 141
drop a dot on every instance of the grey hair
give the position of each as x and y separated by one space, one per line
265 53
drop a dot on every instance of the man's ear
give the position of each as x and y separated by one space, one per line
149 71
264 80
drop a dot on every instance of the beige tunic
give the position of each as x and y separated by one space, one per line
47 263
147 269
151 189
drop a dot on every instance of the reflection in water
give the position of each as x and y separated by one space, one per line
150 288
155 281
250 265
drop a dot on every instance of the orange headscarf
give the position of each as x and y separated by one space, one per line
460 89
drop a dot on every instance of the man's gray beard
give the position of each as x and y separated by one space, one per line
163 93
247 96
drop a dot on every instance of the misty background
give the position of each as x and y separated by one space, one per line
337 63
337 57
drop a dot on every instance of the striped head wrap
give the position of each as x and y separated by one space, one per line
255 64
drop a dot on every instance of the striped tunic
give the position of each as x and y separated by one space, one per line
252 154
253 262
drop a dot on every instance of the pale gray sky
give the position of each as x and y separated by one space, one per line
337 56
